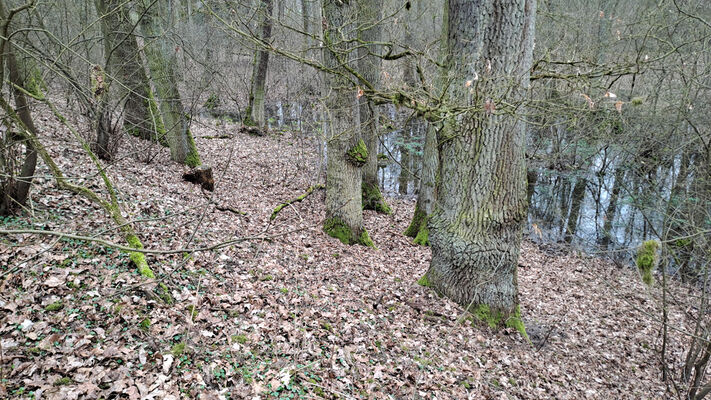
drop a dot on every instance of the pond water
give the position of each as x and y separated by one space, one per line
605 208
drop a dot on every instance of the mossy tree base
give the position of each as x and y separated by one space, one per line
497 318
338 229
373 199
418 228
418 219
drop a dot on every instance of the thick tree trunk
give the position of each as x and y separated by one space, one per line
476 228
162 61
403 178
255 107
126 75
347 152
369 13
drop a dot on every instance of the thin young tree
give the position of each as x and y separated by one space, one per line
254 114
369 66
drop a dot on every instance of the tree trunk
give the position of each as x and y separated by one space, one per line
426 196
430 160
161 63
255 107
124 68
347 152
369 66
578 197
611 210
17 189
476 228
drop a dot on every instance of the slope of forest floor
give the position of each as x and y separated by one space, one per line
287 311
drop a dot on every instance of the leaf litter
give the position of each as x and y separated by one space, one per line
290 312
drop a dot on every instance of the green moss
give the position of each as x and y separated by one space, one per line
336 228
212 102
193 311
63 381
56 306
514 321
423 236
192 159
34 83
177 349
164 293
373 199
424 281
419 218
145 325
682 243
647 260
358 154
637 101
496 318
139 259
241 339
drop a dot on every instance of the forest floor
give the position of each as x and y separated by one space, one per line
287 311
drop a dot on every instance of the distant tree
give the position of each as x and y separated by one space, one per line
476 228
430 159
254 114
369 66
162 63
125 72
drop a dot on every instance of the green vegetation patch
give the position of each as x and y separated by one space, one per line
56 306
338 229
496 318
647 260
373 199
358 154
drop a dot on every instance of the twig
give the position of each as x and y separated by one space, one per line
296 200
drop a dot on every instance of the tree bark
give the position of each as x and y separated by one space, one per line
17 189
476 228
347 152
162 61
426 196
578 197
126 75
430 161
611 210
255 107
369 66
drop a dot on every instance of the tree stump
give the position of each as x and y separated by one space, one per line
202 176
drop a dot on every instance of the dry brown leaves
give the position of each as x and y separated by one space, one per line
298 314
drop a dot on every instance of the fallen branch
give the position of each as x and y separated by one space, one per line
296 200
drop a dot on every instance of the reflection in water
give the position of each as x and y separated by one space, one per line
607 207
